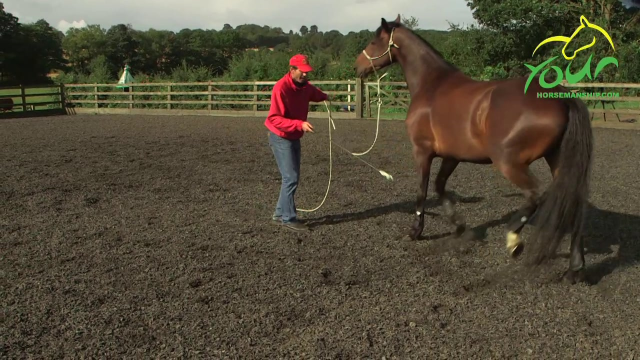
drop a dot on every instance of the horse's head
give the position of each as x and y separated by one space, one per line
378 53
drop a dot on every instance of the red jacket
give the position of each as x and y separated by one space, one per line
290 107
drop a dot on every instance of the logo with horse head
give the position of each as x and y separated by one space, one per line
586 69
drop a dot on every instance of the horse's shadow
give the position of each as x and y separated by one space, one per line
405 207
606 229
603 231
409 207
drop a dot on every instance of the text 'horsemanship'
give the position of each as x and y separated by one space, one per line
564 95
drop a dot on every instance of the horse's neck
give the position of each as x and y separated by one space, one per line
422 67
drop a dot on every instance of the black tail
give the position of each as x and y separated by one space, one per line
563 206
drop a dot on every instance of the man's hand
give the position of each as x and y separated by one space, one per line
307 127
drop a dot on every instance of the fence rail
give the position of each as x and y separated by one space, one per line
350 98
248 98
31 98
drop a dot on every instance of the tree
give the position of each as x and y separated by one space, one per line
83 45
499 47
121 48
522 25
28 52
46 54
410 22
9 36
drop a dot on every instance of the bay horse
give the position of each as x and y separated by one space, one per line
459 119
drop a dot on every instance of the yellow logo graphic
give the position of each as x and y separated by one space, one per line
583 23
586 69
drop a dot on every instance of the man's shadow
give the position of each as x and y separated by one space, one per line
603 230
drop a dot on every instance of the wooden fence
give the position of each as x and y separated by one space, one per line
626 103
32 99
251 98
350 98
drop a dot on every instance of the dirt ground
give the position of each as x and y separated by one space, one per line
134 236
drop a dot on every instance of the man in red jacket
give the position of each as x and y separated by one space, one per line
287 123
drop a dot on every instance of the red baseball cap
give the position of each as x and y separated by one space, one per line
301 62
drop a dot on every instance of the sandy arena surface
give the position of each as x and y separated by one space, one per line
141 236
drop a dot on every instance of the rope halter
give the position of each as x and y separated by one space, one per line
388 51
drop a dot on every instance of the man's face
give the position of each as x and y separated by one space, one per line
298 76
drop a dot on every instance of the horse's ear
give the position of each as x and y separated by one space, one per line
385 25
398 20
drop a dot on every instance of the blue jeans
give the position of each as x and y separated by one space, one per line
287 154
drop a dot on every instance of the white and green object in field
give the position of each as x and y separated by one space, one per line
125 79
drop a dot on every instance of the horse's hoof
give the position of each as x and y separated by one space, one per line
516 250
467 235
414 234
514 244
572 277
461 229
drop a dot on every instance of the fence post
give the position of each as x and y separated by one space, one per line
24 98
168 97
359 99
95 89
210 97
131 97
367 96
63 100
255 99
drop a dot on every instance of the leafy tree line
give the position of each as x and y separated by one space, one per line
28 52
508 33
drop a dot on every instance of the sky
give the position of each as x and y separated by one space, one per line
341 15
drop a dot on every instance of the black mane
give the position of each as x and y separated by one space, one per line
394 25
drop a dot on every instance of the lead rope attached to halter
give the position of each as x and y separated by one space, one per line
331 124
377 120
388 51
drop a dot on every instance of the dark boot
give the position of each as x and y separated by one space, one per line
296 225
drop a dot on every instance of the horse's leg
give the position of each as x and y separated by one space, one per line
446 169
424 160
575 273
520 175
